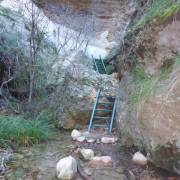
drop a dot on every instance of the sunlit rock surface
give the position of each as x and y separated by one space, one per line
95 27
102 23
76 92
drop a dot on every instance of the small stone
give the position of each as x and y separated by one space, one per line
139 159
108 140
90 140
86 154
75 134
101 161
66 168
81 139
98 141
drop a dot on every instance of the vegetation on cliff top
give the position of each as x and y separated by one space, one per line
159 10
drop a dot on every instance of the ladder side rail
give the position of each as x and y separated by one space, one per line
103 65
95 64
112 117
94 110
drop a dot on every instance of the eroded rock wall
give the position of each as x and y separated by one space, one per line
103 22
153 121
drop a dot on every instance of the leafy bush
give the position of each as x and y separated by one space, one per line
17 130
160 9
9 14
15 55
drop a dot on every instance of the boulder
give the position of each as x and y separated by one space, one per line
75 134
76 92
90 140
101 161
108 140
86 154
139 159
66 168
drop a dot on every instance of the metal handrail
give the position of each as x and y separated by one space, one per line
103 65
95 64
112 117
94 110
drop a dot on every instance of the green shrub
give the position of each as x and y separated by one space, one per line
13 47
160 10
9 14
120 147
19 131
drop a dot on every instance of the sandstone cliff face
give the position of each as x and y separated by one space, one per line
157 46
103 22
152 121
93 15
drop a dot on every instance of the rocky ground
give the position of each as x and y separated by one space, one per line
40 161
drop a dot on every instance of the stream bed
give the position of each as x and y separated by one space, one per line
39 162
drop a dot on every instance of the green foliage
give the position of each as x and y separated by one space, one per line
144 85
120 147
9 43
177 61
159 10
9 14
14 46
47 115
46 57
16 129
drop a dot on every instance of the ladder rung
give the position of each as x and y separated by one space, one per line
101 117
112 97
111 103
100 125
105 110
107 96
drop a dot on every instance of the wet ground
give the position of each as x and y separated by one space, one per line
39 162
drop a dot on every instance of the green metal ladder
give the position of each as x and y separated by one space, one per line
99 65
106 120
